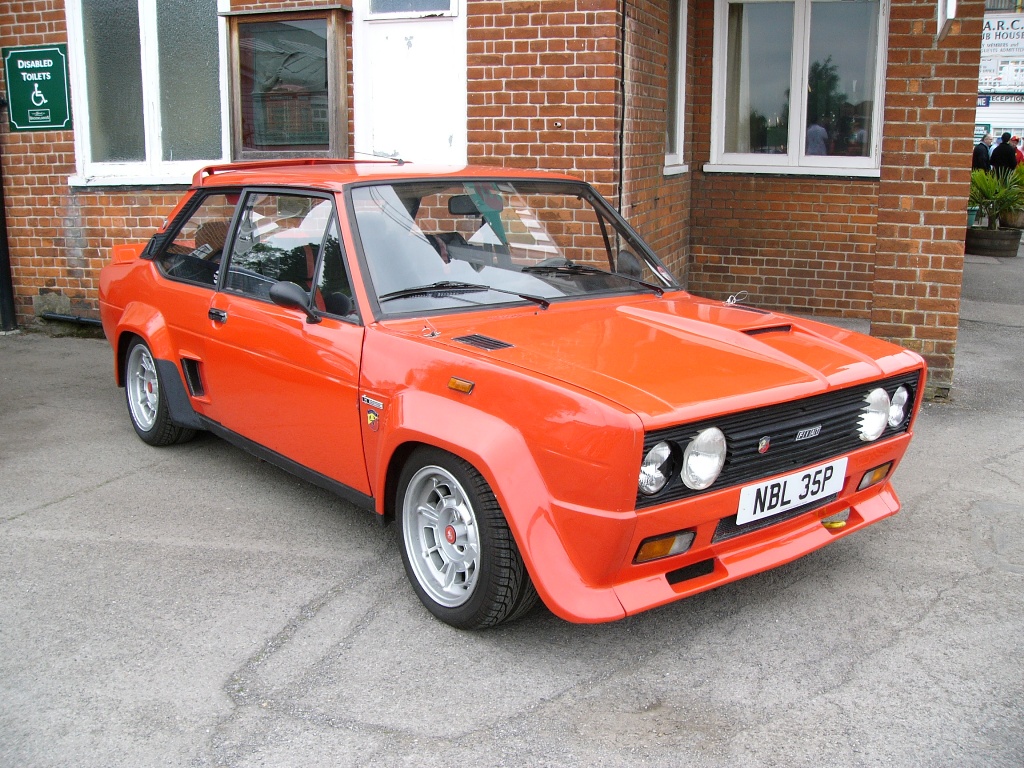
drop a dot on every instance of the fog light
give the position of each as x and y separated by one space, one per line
898 407
876 475
875 415
663 546
836 521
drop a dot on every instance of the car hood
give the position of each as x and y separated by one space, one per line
678 358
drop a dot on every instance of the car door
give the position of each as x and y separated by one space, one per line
274 378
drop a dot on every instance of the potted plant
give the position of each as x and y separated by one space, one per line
995 195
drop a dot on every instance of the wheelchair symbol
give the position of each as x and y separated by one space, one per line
37 96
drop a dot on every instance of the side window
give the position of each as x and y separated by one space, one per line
194 254
279 238
333 289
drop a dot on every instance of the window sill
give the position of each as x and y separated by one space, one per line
142 180
794 170
675 169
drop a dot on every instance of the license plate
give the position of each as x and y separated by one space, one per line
789 492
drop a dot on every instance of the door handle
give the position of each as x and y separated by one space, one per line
217 315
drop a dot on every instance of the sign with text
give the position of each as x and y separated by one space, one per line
1002 53
37 88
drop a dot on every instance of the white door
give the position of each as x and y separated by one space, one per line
409 81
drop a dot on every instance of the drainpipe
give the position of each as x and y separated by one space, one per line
622 102
7 318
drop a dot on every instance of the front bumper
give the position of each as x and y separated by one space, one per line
607 584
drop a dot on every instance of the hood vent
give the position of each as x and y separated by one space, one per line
769 329
483 342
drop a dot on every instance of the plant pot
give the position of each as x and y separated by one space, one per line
1014 219
972 215
992 242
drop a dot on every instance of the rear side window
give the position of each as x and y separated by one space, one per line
194 254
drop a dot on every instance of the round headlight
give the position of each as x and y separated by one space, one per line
875 415
656 469
703 459
898 407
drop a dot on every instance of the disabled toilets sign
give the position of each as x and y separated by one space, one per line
37 88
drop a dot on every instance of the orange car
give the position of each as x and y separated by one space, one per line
496 361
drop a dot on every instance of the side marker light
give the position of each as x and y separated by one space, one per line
460 385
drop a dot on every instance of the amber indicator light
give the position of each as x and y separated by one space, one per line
460 385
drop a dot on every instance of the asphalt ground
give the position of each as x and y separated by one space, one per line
191 606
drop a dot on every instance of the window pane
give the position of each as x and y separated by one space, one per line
333 290
195 252
841 77
284 85
409 6
189 79
760 48
113 73
279 238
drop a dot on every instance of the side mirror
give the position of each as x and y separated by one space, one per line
287 294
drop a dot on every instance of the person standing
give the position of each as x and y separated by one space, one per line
1004 157
980 158
1015 140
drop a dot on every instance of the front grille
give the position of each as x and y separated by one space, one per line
837 413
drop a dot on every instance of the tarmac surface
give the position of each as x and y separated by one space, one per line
191 606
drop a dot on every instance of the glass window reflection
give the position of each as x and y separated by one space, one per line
759 65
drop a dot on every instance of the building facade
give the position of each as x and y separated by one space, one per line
812 153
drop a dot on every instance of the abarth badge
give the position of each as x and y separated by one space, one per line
763 444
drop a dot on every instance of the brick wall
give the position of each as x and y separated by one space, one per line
931 89
798 244
545 84
655 204
544 87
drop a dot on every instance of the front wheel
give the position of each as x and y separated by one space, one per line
146 405
457 548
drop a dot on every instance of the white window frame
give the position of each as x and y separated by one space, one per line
154 170
675 162
947 12
795 162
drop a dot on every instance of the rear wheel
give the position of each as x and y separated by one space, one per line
457 548
147 406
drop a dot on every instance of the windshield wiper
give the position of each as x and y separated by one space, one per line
449 286
585 269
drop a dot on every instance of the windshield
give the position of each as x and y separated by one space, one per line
439 246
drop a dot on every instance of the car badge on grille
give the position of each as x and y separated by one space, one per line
763 444
806 434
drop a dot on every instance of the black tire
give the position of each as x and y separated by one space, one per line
147 407
458 551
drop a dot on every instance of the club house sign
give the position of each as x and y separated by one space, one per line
37 88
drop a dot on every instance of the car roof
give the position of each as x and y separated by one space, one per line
335 174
